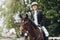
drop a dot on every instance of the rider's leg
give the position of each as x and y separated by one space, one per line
45 38
44 33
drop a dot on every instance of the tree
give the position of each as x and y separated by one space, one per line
13 7
51 10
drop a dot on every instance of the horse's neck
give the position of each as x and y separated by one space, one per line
33 24
32 27
32 30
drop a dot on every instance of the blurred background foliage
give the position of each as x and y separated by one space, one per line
51 10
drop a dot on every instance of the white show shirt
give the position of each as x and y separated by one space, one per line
35 18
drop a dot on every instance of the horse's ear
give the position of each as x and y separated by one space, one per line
26 15
20 16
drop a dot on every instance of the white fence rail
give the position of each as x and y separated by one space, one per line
54 38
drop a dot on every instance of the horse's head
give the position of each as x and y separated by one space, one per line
24 22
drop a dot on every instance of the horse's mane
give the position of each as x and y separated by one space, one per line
31 21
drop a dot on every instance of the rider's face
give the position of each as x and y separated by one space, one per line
35 7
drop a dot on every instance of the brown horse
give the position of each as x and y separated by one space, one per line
34 32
